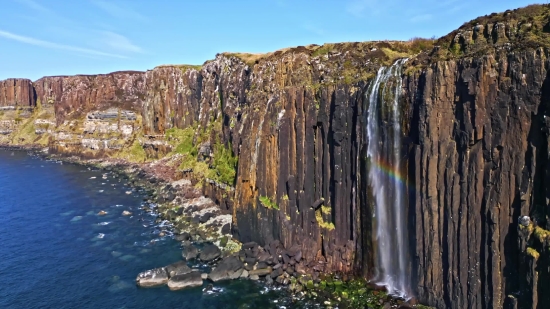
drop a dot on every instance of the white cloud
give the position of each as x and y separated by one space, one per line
421 18
119 42
118 11
46 44
357 8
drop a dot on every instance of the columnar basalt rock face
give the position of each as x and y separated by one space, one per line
478 162
16 92
296 145
74 96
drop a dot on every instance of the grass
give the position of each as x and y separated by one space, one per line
248 58
541 234
221 168
134 153
322 50
25 133
268 203
183 67
534 253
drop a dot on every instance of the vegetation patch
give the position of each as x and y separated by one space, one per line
134 153
268 203
541 234
319 217
532 252
183 67
354 293
221 168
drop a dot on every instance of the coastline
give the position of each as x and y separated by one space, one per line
167 194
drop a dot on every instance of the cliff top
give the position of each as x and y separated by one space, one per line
518 29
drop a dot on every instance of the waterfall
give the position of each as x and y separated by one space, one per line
386 182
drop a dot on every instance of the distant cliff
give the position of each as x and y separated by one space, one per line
278 140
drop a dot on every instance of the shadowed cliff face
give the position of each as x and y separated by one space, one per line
479 161
475 143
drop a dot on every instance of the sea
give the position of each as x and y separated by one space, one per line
56 251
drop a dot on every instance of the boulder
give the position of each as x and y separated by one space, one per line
260 272
178 268
183 236
226 269
209 253
179 282
189 252
126 213
276 272
152 278
226 229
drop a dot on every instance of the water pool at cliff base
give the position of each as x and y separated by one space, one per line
58 252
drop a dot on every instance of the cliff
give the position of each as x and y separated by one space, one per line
278 141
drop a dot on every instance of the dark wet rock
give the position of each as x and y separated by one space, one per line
276 273
209 253
204 218
189 280
183 236
152 278
317 203
286 258
298 256
226 269
189 252
249 245
261 265
250 260
252 253
264 257
178 268
226 229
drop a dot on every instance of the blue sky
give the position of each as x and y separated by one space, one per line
61 37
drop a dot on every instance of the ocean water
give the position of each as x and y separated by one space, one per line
57 252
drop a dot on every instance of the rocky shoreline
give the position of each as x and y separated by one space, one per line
205 235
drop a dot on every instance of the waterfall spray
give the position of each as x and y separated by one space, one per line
388 188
